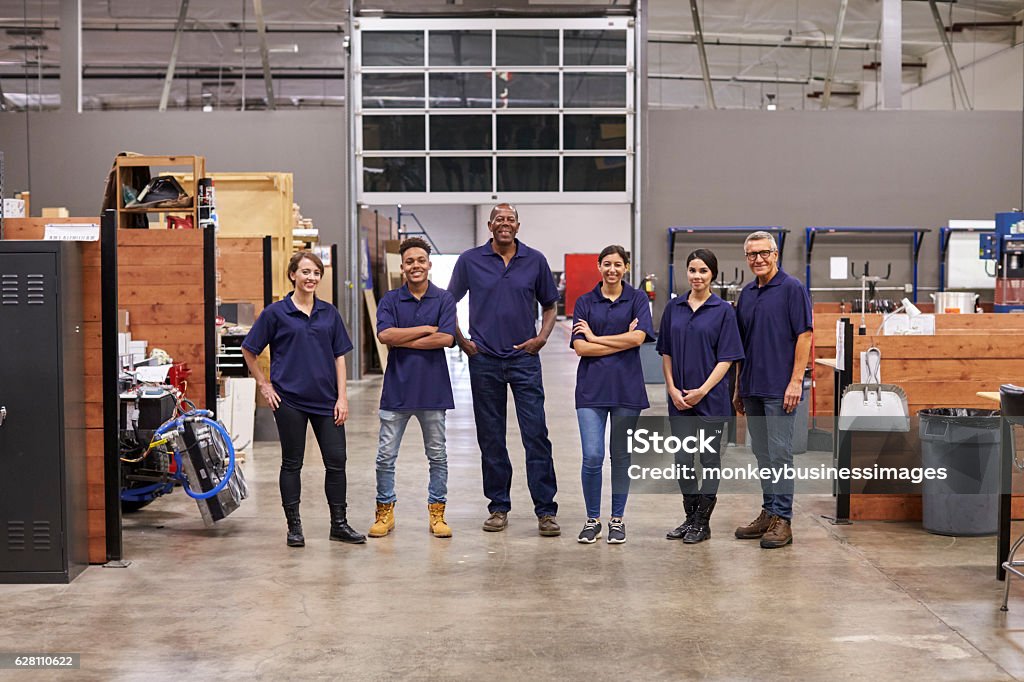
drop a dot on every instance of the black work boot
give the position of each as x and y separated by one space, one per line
340 530
701 528
295 538
690 503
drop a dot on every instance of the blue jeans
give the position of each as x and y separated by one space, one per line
392 428
490 378
592 429
771 438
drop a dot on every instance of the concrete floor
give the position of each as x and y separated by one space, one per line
872 600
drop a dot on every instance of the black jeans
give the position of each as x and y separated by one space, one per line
291 427
683 427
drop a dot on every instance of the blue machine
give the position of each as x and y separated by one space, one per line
1005 246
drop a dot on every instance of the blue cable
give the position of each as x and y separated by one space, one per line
205 417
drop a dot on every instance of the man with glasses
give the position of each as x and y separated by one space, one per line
774 315
505 280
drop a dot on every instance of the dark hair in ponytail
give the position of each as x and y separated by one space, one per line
709 260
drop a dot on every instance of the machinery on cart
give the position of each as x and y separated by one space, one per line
166 442
1005 246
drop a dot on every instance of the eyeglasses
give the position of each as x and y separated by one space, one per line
754 255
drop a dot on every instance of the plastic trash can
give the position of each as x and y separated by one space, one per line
650 362
965 442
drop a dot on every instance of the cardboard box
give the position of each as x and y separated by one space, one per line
60 212
14 208
122 322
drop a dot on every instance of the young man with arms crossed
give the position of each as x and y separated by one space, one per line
416 322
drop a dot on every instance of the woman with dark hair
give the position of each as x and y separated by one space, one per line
698 341
308 343
609 324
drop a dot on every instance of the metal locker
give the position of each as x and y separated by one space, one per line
43 499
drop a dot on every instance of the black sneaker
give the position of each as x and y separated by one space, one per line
591 532
616 532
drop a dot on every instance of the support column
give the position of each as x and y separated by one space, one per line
71 56
705 70
892 54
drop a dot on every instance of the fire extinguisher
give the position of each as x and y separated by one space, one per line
648 285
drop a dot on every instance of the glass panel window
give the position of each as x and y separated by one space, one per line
393 90
527 131
458 90
460 132
594 131
527 48
460 174
394 174
589 90
392 48
460 48
393 132
528 174
514 89
595 174
595 48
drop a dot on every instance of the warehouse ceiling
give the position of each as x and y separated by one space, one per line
758 50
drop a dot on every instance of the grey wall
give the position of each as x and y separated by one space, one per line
797 169
71 154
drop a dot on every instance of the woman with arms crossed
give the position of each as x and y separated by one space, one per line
609 325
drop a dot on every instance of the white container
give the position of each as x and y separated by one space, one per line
954 301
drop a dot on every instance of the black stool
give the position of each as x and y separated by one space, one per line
1011 404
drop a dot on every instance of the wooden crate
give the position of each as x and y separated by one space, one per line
256 205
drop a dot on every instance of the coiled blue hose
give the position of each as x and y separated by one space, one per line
205 417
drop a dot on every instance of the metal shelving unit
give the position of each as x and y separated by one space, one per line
779 233
917 234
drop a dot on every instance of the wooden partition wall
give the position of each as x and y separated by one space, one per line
160 282
240 271
968 353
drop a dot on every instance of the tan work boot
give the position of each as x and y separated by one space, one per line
438 527
779 534
756 528
385 521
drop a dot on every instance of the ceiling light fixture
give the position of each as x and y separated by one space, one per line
291 48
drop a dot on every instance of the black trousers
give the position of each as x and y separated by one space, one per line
683 427
291 427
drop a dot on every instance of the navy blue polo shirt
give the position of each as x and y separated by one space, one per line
503 300
770 319
697 340
417 379
615 380
303 350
